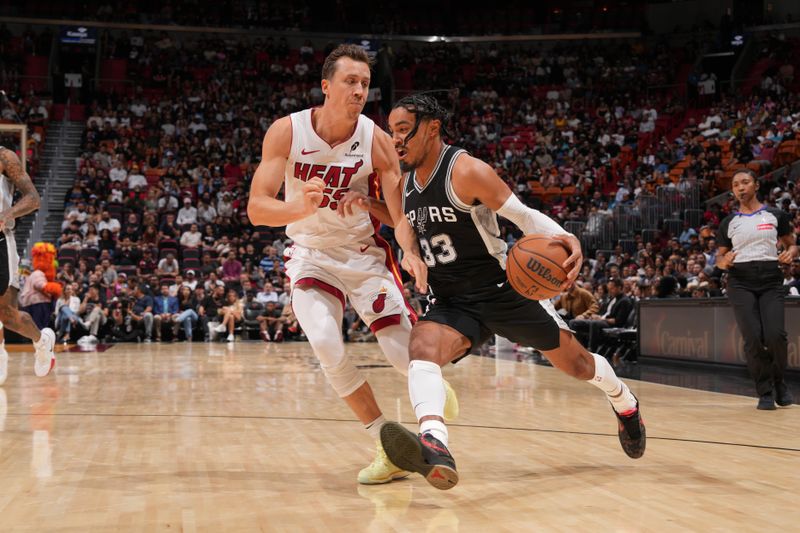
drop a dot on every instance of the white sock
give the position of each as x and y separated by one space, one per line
435 428
606 380
374 427
426 390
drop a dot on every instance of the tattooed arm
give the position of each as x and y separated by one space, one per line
10 166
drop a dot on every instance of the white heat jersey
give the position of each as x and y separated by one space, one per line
346 167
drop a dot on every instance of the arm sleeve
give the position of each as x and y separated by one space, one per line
722 233
529 220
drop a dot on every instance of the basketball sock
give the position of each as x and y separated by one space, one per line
426 390
393 341
606 380
374 427
435 428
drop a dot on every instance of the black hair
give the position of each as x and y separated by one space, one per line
424 106
749 172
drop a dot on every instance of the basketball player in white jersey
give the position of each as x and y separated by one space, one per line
12 177
328 158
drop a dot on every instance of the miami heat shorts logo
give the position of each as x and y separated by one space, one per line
379 304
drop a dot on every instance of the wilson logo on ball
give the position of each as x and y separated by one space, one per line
537 268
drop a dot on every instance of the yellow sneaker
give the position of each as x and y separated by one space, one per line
450 403
381 470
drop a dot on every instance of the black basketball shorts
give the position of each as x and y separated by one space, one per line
9 262
499 309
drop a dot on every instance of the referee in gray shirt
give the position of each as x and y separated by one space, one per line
748 248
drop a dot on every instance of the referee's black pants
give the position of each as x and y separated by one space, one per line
756 293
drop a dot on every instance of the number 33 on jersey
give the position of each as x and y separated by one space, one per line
456 240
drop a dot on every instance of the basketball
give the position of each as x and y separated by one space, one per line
534 267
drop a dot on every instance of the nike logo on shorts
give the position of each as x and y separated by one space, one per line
364 248
303 151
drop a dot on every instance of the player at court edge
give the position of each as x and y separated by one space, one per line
451 200
326 158
13 177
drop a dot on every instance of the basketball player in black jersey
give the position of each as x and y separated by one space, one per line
450 198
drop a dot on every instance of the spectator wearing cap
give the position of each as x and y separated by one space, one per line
191 280
187 214
192 238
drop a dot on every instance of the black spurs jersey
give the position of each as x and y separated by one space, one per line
460 243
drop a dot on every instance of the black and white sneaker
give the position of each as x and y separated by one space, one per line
632 435
423 454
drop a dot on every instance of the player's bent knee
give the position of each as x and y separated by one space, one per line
344 377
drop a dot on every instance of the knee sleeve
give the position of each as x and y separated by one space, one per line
393 341
320 316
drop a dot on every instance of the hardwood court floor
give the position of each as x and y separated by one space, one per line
249 437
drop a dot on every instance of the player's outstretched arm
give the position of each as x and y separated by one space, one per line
11 166
263 209
385 161
475 180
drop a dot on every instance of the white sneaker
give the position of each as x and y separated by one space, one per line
3 363
231 338
45 358
221 328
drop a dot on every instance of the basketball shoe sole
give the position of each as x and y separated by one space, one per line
406 451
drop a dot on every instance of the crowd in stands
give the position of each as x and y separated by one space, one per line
442 17
20 105
156 243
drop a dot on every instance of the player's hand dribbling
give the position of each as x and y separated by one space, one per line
313 192
414 265
575 260
352 200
